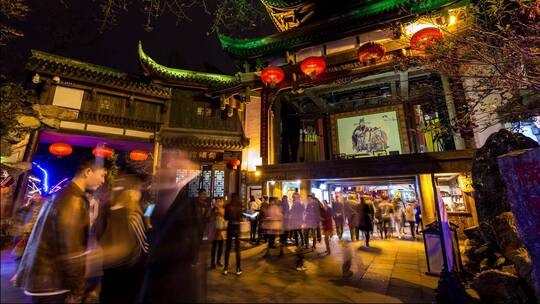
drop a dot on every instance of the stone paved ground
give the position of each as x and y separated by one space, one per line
390 271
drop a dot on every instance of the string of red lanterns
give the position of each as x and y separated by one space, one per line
369 52
64 149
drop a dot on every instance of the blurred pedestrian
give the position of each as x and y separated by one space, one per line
285 222
337 208
399 217
176 266
254 205
52 269
386 211
261 237
312 219
366 213
124 243
233 216
217 232
417 215
351 212
297 220
327 225
273 223
410 217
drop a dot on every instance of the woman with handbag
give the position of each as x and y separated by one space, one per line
218 233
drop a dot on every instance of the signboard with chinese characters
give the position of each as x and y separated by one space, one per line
206 156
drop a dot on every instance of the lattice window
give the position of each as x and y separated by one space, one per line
219 183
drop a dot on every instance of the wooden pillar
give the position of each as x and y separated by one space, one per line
428 200
458 140
265 95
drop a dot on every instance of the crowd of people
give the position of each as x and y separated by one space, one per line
79 247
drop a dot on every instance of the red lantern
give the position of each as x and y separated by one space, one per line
371 51
313 66
272 75
426 38
60 149
104 152
235 163
138 155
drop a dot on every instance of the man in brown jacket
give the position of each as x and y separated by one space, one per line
52 269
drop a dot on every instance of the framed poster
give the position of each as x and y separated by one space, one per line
370 132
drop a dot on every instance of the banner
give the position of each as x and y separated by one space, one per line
446 232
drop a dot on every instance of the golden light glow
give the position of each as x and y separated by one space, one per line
415 27
452 20
257 173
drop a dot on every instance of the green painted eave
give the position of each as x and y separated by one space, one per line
304 35
184 76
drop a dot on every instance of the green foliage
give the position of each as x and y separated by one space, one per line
14 100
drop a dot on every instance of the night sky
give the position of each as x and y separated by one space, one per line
72 32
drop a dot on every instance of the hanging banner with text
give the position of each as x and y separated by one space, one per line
446 233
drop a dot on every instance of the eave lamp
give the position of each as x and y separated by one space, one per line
313 66
272 75
138 155
426 38
371 52
102 151
60 149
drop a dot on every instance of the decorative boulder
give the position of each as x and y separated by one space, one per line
490 190
495 286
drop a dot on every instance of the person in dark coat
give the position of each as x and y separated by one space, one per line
233 216
312 220
175 269
351 211
366 212
327 225
53 266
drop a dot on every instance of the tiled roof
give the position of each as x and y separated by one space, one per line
200 141
366 13
46 63
184 76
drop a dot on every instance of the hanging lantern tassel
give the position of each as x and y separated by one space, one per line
230 111
241 106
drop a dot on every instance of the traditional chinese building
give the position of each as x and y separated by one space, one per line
340 113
